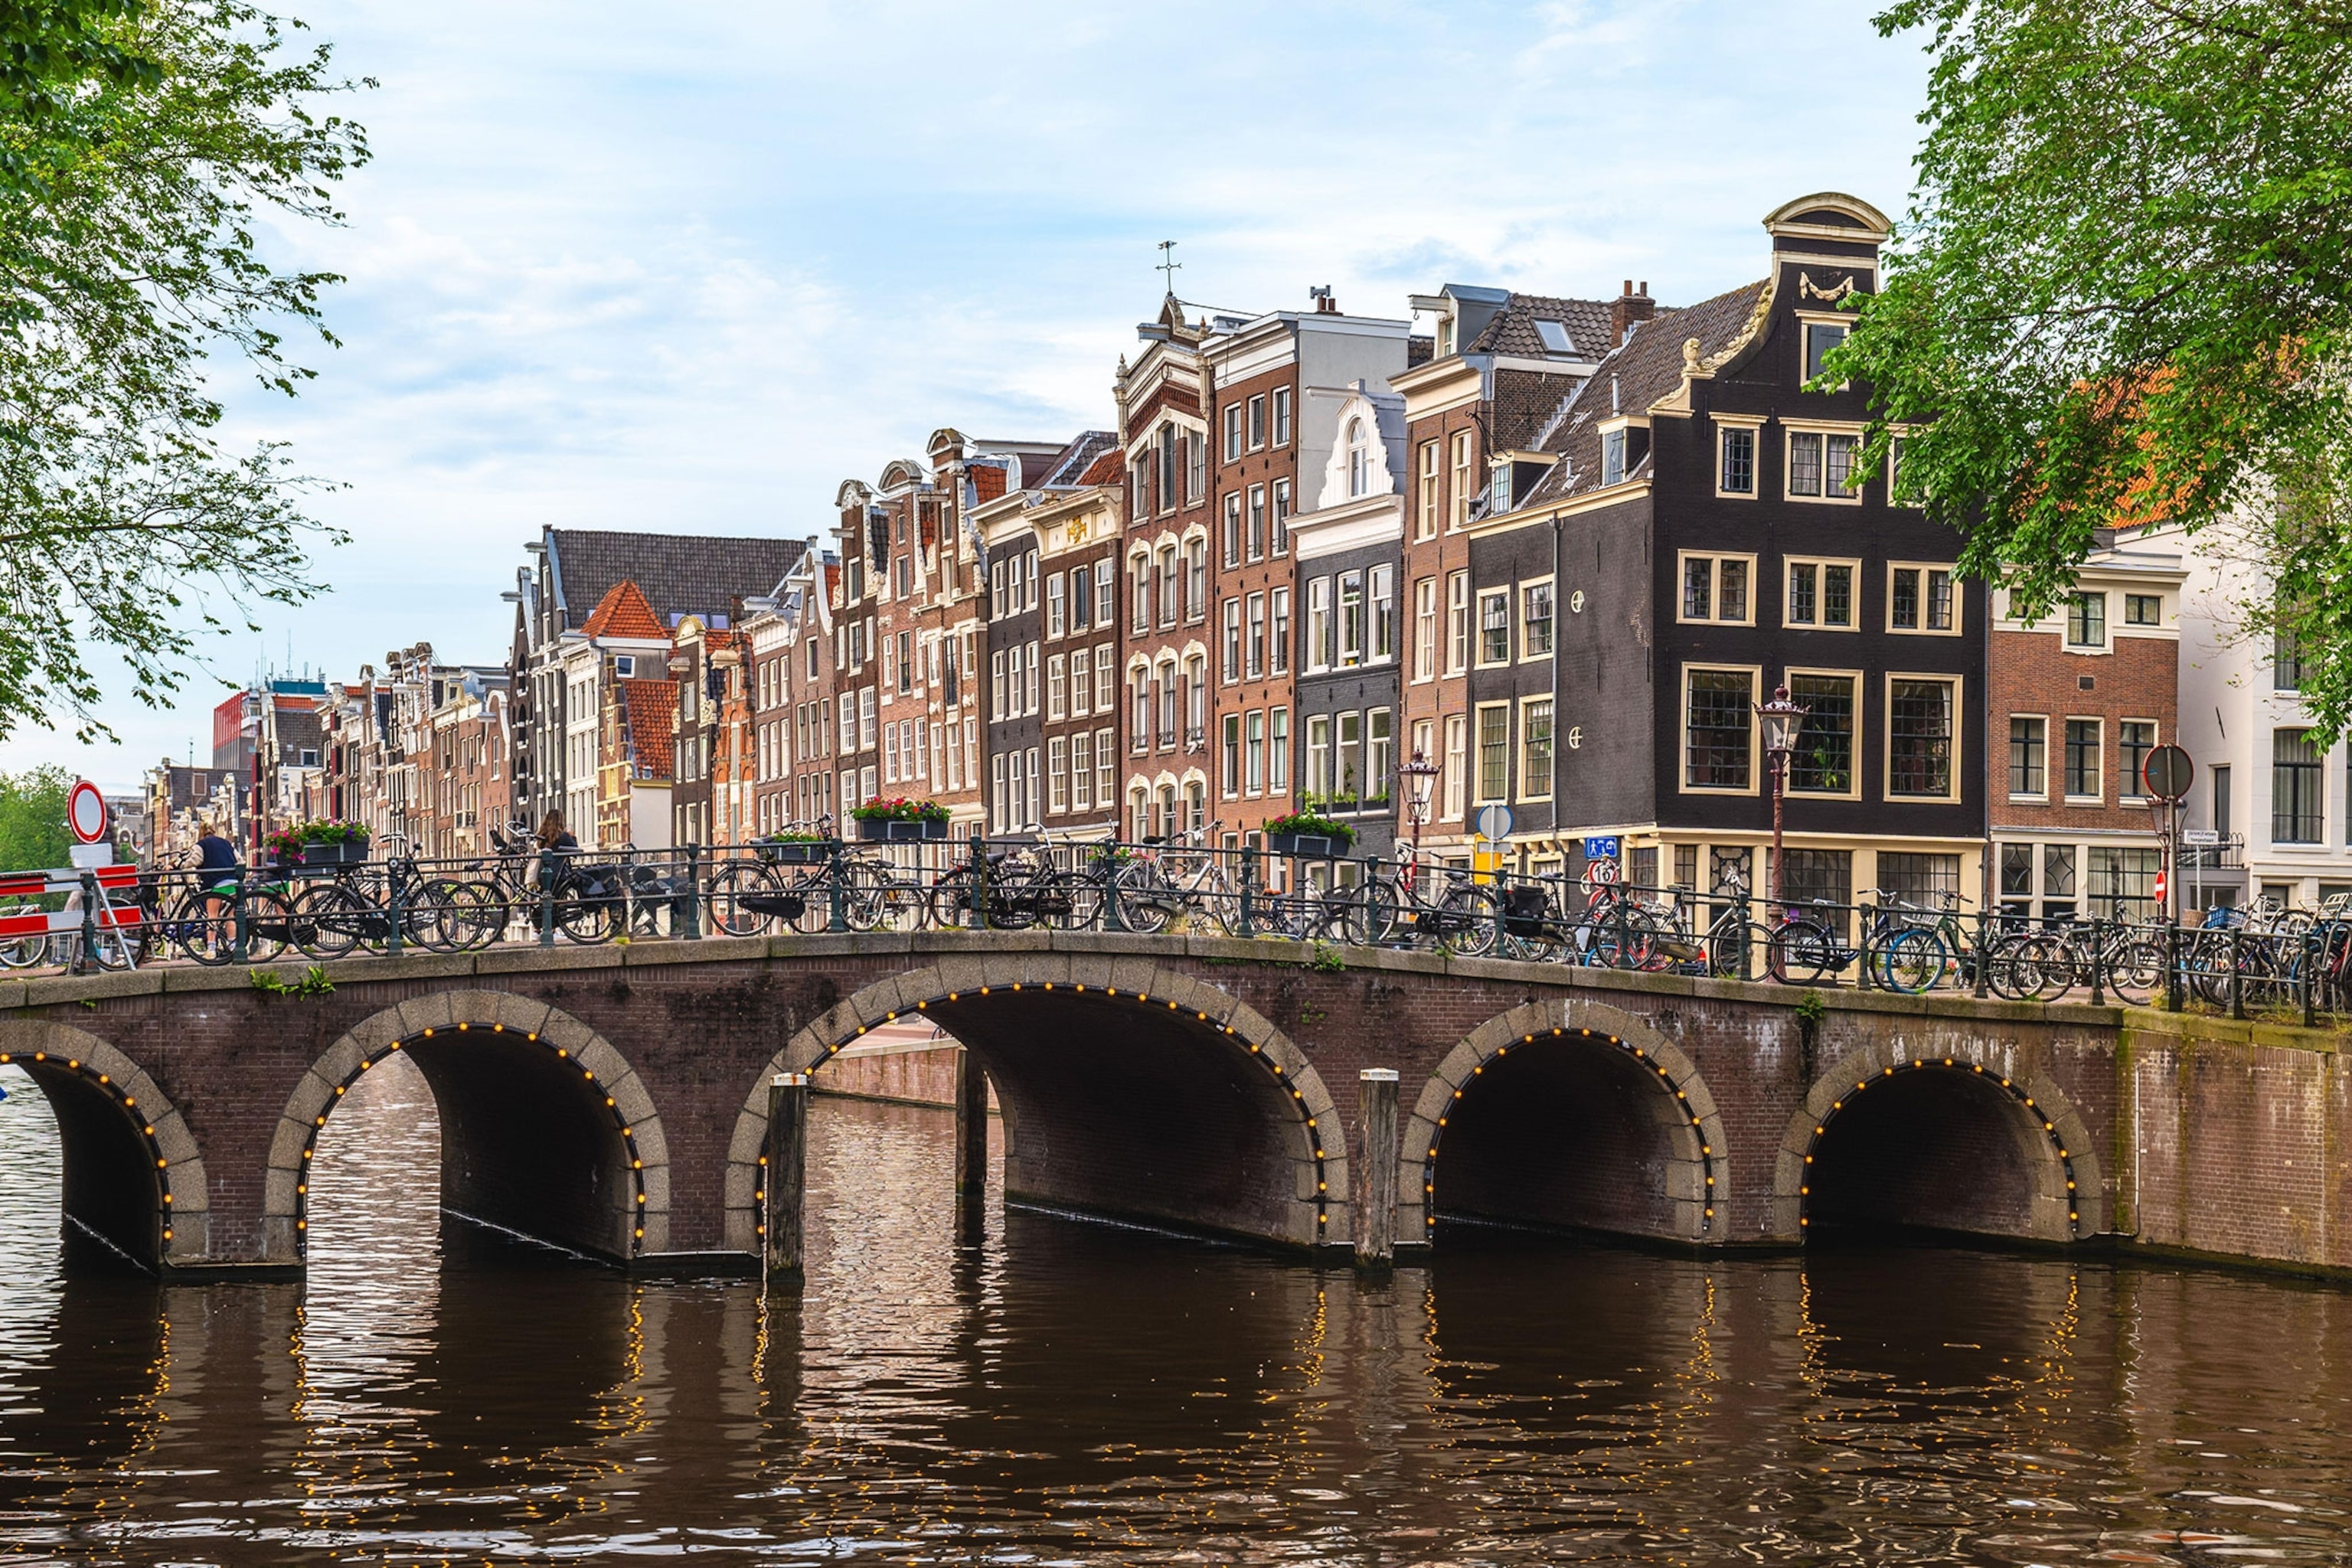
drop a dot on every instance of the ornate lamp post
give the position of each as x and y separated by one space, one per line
1418 775
1780 718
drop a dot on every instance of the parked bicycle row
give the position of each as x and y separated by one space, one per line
812 882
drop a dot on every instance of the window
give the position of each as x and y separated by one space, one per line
1351 618
2028 750
1456 776
1139 720
1230 773
1105 593
1426 489
1382 588
1823 763
1082 771
1494 751
1196 700
1554 337
2143 609
1807 875
1139 574
1168 585
1056 615
1919 738
2134 739
1281 631
1257 522
1715 588
1495 626
1380 761
1230 670
2295 814
1537 619
1804 463
1425 629
1464 490
1256 647
1318 756
1535 749
1281 544
1104 695
1919 599
2086 620
1082 684
1718 724
1613 457
1196 580
1232 432
624 665
1843 450
1319 644
2083 757
1282 416
1820 337
1737 476
1196 467
1929 881
1257 422
2017 871
1254 754
1347 758
1457 637
2122 883
1055 690
1106 769
1057 775
1277 746
1821 593
1170 695
2286 662
1360 460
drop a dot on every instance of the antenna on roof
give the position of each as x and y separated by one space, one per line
1168 265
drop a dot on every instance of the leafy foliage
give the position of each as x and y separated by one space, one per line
131 254
33 836
49 51
2124 292
1312 824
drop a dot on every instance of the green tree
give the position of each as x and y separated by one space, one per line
129 259
49 49
33 835
2123 293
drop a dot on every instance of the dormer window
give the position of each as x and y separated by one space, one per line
1613 458
1820 337
1555 338
1445 337
1360 460
624 665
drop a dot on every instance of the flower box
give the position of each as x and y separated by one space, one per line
1315 846
796 852
897 830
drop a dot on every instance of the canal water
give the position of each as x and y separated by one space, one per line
1080 1394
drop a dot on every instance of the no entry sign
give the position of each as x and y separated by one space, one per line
86 813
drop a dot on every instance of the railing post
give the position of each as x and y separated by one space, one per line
1502 904
2237 978
978 882
693 892
391 909
2172 986
837 891
1980 985
1747 966
2098 966
1249 890
1113 918
546 898
1863 927
2309 971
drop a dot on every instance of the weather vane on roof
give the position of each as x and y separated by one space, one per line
1169 264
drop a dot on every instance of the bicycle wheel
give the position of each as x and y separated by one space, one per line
1802 952
1142 901
329 921
2135 970
269 925
949 900
24 952
1467 917
729 887
1911 960
582 913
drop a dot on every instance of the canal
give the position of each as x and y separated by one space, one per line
1082 1394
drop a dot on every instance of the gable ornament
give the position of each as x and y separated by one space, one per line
1809 289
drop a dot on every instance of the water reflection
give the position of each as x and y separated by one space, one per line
1074 1394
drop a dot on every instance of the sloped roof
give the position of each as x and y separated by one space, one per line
678 574
623 612
1104 469
987 482
649 717
1071 465
1513 330
1646 367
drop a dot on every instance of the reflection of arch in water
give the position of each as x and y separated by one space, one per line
1644 1141
135 1193
547 1131
1124 1089
1945 1143
87 1395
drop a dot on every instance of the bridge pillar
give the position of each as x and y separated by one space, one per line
787 1178
971 1149
1375 1187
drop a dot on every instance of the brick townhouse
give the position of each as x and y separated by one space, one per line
2080 698
711 747
1502 366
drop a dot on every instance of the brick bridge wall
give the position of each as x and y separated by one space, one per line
612 1100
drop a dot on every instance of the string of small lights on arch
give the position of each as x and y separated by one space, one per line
529 1037
1926 1064
1649 1064
130 1104
1282 1081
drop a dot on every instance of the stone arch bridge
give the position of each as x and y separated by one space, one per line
614 1100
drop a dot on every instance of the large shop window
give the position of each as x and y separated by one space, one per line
1928 882
1919 738
1718 723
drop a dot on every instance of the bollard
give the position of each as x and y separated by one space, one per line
785 1178
1376 1190
971 1148
2237 979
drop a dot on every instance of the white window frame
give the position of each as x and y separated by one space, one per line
1825 429
1754 673
1715 559
1886 737
1959 601
1861 750
1725 424
1853 603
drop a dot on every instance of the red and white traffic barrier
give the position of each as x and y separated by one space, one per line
106 916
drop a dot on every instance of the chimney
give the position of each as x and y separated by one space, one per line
1323 304
1631 306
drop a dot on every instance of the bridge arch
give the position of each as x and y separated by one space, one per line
1491 1117
135 1191
1127 1088
1964 1139
547 1130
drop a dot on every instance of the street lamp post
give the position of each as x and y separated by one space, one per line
1418 775
1780 718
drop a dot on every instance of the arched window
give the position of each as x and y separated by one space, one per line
1359 458
1138 810
1196 698
1196 806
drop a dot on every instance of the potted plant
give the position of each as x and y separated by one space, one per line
898 817
315 844
794 848
1306 833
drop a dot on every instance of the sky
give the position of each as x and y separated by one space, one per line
687 267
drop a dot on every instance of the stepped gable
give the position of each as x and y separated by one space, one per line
1646 368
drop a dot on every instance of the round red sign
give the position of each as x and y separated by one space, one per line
86 813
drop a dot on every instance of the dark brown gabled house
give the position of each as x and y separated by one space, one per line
1700 530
